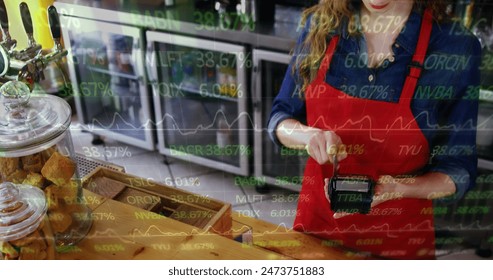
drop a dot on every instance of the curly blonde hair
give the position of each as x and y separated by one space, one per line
330 15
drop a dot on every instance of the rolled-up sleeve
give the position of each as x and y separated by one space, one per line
454 151
288 103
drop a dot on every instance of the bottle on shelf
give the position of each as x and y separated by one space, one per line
223 131
190 77
209 78
232 83
116 90
221 80
132 101
227 81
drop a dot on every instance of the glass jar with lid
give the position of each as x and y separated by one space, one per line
36 149
25 232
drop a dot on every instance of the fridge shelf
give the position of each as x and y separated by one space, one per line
113 73
201 93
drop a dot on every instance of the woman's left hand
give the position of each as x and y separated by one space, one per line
386 189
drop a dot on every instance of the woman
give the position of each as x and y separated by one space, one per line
388 86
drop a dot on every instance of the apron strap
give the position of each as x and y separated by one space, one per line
416 66
329 53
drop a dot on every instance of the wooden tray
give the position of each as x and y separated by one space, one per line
202 212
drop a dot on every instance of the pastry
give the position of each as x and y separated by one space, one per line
17 177
34 179
60 221
51 198
32 163
8 166
58 169
67 192
33 251
8 250
46 154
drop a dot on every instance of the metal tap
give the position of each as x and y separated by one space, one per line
33 49
27 65
7 42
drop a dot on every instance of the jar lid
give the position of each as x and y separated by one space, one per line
29 120
22 208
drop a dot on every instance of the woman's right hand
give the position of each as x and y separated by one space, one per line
323 145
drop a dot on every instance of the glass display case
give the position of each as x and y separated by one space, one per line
108 79
275 165
200 100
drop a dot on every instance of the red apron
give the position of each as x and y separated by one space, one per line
382 138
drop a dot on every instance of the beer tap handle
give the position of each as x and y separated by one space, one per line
7 41
54 23
28 23
55 27
4 17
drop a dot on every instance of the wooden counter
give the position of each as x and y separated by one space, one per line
121 232
291 243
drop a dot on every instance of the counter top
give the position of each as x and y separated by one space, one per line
185 19
124 235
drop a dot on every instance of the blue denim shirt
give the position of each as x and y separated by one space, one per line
445 102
